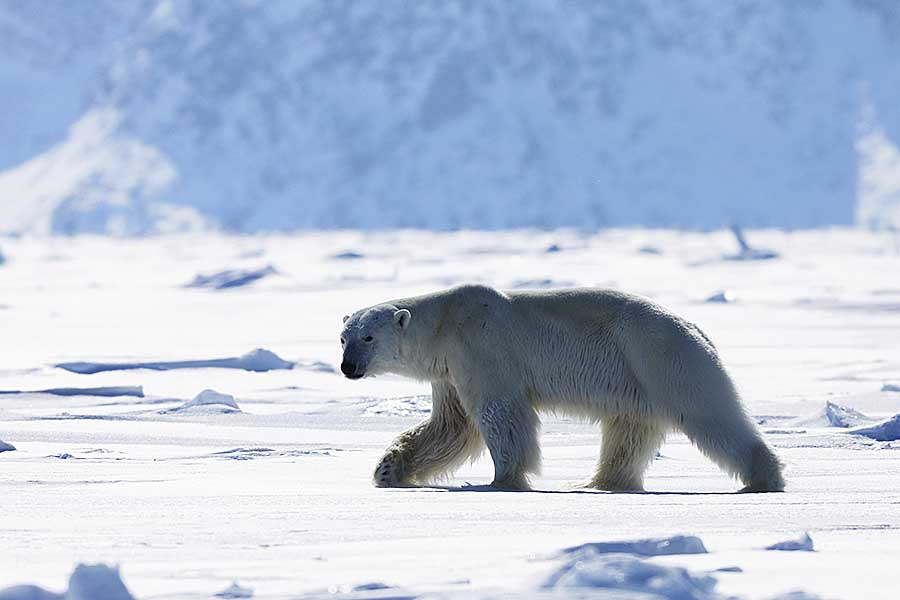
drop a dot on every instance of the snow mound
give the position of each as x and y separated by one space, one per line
833 415
890 387
4 447
258 360
679 544
625 573
400 407
886 431
208 401
802 544
723 297
235 591
231 278
88 582
261 360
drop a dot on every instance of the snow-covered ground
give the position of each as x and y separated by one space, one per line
262 486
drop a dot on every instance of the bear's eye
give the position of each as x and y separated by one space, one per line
342 341
368 338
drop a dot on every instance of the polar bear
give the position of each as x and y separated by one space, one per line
495 359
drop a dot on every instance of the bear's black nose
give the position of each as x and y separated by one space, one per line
348 368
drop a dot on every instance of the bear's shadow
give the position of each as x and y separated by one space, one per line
487 488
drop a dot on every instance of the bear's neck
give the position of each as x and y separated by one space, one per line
423 348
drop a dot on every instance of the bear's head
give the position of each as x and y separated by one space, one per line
371 341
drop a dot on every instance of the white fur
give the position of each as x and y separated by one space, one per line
495 359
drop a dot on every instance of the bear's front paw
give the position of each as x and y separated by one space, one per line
390 471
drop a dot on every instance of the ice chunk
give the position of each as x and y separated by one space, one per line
4 447
746 251
679 544
235 591
231 278
88 582
886 431
832 415
802 544
627 573
890 387
723 297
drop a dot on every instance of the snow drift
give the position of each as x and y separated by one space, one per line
135 391
258 360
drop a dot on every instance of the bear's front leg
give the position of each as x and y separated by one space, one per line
510 430
433 448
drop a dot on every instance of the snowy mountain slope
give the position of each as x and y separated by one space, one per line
284 115
53 55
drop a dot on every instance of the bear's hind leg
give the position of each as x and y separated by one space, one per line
510 431
432 448
736 446
627 448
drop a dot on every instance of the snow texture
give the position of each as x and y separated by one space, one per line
278 497
400 407
258 360
232 278
890 387
137 117
803 543
886 431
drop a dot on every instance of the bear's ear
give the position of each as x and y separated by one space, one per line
402 317
345 318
